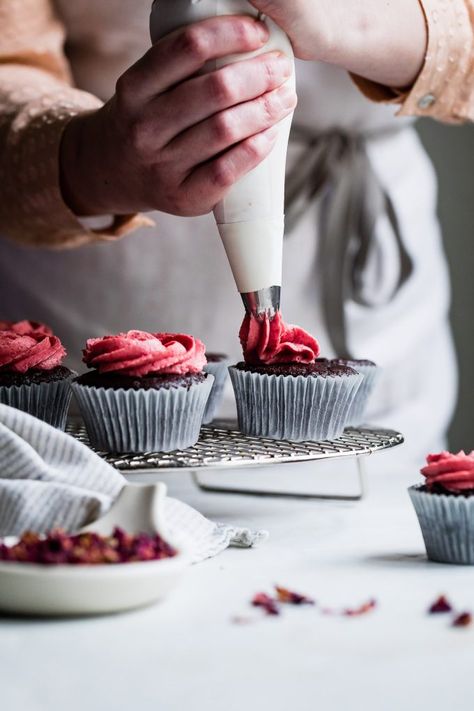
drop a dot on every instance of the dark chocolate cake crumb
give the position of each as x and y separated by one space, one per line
152 381
440 490
320 368
34 377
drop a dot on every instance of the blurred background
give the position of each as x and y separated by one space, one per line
452 151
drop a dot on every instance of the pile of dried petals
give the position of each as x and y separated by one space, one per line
58 548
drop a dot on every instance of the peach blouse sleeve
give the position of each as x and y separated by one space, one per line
37 100
444 90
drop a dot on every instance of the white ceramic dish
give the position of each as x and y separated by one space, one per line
65 590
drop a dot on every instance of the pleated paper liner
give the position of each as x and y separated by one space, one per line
447 525
162 420
46 401
293 408
220 371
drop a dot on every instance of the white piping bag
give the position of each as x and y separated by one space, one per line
251 217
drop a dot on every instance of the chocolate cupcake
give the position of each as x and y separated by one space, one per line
32 377
283 391
147 392
445 507
370 371
218 366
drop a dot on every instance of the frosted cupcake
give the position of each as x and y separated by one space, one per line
218 366
32 377
445 507
369 371
282 391
146 392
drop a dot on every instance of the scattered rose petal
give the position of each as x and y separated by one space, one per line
267 603
440 606
463 620
58 548
353 612
362 610
292 598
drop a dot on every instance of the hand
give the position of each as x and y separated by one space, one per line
172 140
385 42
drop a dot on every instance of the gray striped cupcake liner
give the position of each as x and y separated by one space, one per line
293 408
46 401
359 406
220 371
447 525
143 420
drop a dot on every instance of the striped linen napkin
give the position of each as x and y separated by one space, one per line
49 480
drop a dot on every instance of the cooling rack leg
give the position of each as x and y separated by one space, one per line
360 461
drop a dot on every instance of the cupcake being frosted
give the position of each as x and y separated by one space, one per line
32 375
283 391
145 392
445 507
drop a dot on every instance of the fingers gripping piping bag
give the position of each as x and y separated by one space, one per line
251 217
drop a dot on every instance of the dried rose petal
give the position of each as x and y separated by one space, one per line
463 620
267 603
362 610
292 598
58 548
440 606
353 612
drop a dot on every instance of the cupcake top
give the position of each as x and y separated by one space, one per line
453 473
138 354
26 327
30 351
272 342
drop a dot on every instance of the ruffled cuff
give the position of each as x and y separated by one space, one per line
35 212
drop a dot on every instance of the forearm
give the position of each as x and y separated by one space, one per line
384 42
37 102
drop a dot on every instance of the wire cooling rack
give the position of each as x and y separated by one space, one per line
222 446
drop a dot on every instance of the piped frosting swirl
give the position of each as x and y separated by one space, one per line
138 353
271 342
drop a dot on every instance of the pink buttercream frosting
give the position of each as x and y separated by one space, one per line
25 327
138 353
454 472
272 341
20 353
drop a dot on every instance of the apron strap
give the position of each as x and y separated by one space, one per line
336 166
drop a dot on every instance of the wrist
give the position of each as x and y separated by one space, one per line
387 45
83 183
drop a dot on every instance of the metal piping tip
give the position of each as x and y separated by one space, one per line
265 302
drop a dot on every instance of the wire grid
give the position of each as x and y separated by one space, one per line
222 446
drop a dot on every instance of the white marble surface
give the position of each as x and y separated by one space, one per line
187 653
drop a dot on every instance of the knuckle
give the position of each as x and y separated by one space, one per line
256 149
221 87
194 42
268 69
138 138
222 174
225 128
269 107
243 32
